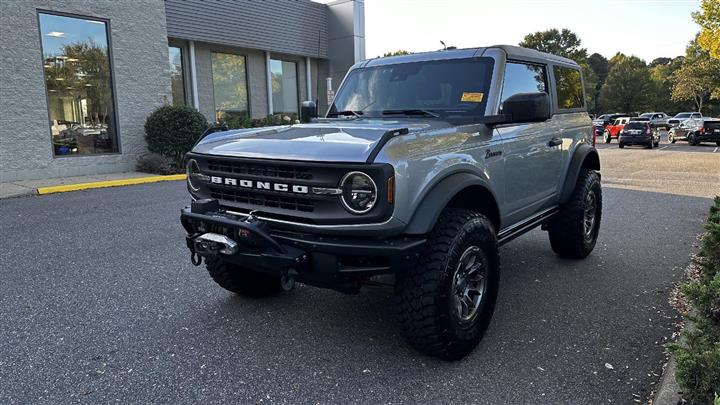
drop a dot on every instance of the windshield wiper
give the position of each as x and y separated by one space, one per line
410 112
346 112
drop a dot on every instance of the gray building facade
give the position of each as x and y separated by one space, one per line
78 78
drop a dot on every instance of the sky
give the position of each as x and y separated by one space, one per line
644 28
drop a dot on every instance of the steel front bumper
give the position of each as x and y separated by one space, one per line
327 261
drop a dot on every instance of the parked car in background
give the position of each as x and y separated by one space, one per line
607 119
657 119
613 130
696 131
639 133
680 117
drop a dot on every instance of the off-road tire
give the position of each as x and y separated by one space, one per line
567 230
426 308
242 281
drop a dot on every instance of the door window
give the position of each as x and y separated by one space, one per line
568 84
522 78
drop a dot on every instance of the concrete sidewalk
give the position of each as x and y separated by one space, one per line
62 184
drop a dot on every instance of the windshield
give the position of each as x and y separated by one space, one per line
443 88
683 115
646 115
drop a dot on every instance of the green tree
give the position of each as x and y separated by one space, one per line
396 53
557 42
600 67
709 20
628 86
662 75
698 80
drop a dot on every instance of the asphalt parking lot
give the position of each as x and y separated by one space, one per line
99 303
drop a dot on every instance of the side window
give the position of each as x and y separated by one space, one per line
569 88
522 78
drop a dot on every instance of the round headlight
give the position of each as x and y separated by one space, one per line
359 193
193 174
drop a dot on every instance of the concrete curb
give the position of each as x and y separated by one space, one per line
109 183
668 391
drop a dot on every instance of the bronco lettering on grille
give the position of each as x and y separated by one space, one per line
260 185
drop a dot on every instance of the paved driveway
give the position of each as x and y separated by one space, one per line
99 303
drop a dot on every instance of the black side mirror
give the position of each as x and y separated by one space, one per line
527 107
308 111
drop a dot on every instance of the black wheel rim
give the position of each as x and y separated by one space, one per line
589 216
469 283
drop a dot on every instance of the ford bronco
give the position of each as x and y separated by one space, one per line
422 167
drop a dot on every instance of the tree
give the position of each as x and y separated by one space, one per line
660 61
599 66
662 75
399 52
698 80
562 43
709 20
628 86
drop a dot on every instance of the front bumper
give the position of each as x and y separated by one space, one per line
322 260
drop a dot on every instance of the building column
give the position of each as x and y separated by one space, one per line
308 79
268 73
193 76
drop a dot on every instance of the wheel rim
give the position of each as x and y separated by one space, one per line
589 217
469 283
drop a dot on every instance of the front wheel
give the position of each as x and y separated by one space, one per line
574 230
446 302
241 280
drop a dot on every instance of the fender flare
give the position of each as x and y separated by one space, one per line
581 155
433 203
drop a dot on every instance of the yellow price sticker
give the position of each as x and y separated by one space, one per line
472 97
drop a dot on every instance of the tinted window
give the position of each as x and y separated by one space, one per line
569 88
521 78
636 125
229 86
284 87
456 87
78 82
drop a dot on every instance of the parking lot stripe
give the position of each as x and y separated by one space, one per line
715 150
664 147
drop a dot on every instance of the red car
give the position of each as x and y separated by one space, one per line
613 130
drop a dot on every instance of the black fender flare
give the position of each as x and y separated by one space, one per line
432 205
583 153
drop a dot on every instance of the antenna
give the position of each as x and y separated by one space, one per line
444 46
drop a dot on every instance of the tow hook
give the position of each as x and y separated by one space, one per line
213 243
195 258
287 279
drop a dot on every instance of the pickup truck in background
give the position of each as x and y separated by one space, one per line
657 119
683 116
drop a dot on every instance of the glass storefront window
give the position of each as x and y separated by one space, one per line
284 86
229 86
78 79
177 80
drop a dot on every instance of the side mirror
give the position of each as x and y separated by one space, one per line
308 111
527 107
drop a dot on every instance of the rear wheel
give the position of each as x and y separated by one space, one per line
691 139
240 280
717 143
574 231
446 302
621 145
606 136
650 144
671 138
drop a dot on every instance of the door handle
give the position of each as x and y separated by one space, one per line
555 142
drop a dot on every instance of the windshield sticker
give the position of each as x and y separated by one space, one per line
472 97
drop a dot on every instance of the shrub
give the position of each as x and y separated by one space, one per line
698 354
171 131
157 164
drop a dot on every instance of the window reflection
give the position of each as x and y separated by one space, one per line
177 81
229 86
78 81
284 86
569 87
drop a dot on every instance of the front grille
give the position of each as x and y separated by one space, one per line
288 172
263 200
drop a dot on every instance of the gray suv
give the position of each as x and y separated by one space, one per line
423 166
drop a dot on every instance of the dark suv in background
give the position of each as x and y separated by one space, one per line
638 132
696 131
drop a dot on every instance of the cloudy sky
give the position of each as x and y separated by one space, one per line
645 28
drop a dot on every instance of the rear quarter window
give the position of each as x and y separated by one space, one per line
568 85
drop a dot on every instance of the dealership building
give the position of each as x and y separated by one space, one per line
78 78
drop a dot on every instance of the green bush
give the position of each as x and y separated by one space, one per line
236 122
698 353
157 164
171 131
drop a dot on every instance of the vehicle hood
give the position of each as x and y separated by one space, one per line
332 141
